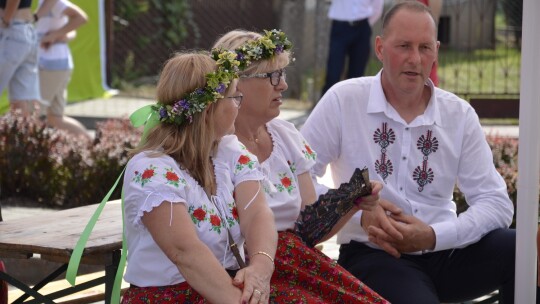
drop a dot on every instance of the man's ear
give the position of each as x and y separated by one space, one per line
379 48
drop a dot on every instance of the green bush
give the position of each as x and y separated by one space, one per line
50 167
54 169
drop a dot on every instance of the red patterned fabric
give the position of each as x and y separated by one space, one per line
180 293
306 275
3 287
302 275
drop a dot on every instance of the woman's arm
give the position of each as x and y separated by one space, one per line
9 11
257 225
45 8
76 18
307 189
179 241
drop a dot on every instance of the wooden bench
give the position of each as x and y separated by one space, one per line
53 238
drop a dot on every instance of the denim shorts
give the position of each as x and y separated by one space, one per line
18 61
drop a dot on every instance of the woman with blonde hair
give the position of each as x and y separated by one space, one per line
286 158
192 194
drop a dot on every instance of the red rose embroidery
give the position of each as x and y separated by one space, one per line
286 182
199 214
244 159
308 149
215 220
148 173
171 176
235 213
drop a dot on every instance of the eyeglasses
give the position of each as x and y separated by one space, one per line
274 76
237 100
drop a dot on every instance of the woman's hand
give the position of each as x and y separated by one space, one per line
257 225
254 281
369 202
380 221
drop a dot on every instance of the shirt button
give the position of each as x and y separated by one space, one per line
400 188
415 210
404 157
407 129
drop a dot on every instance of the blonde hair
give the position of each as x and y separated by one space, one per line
236 38
192 144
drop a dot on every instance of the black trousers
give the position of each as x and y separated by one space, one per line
347 40
445 276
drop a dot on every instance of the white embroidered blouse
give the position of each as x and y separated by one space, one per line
150 181
291 156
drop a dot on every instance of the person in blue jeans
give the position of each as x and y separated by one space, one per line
18 52
350 36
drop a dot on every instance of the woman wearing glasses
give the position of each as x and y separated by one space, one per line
192 194
286 158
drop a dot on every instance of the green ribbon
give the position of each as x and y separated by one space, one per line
145 116
148 117
75 259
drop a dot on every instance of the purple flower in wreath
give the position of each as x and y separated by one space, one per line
163 113
199 91
178 106
239 56
184 104
279 49
221 88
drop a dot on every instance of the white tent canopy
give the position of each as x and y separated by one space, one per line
529 156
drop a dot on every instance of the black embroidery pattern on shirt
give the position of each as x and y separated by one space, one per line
384 138
424 175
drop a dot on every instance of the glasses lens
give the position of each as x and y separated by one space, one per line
275 77
237 100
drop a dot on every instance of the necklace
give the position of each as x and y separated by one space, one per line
254 139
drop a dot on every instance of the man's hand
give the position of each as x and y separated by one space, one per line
416 234
385 226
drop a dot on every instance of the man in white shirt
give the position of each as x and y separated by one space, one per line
350 37
420 141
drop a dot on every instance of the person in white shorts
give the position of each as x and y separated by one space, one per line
56 64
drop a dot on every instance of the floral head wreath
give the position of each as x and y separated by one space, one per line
229 63
196 101
273 43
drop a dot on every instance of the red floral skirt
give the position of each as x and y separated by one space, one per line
302 275
173 294
306 275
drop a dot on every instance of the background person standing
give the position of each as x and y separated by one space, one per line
18 59
56 64
350 36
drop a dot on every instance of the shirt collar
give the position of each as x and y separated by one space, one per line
377 103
